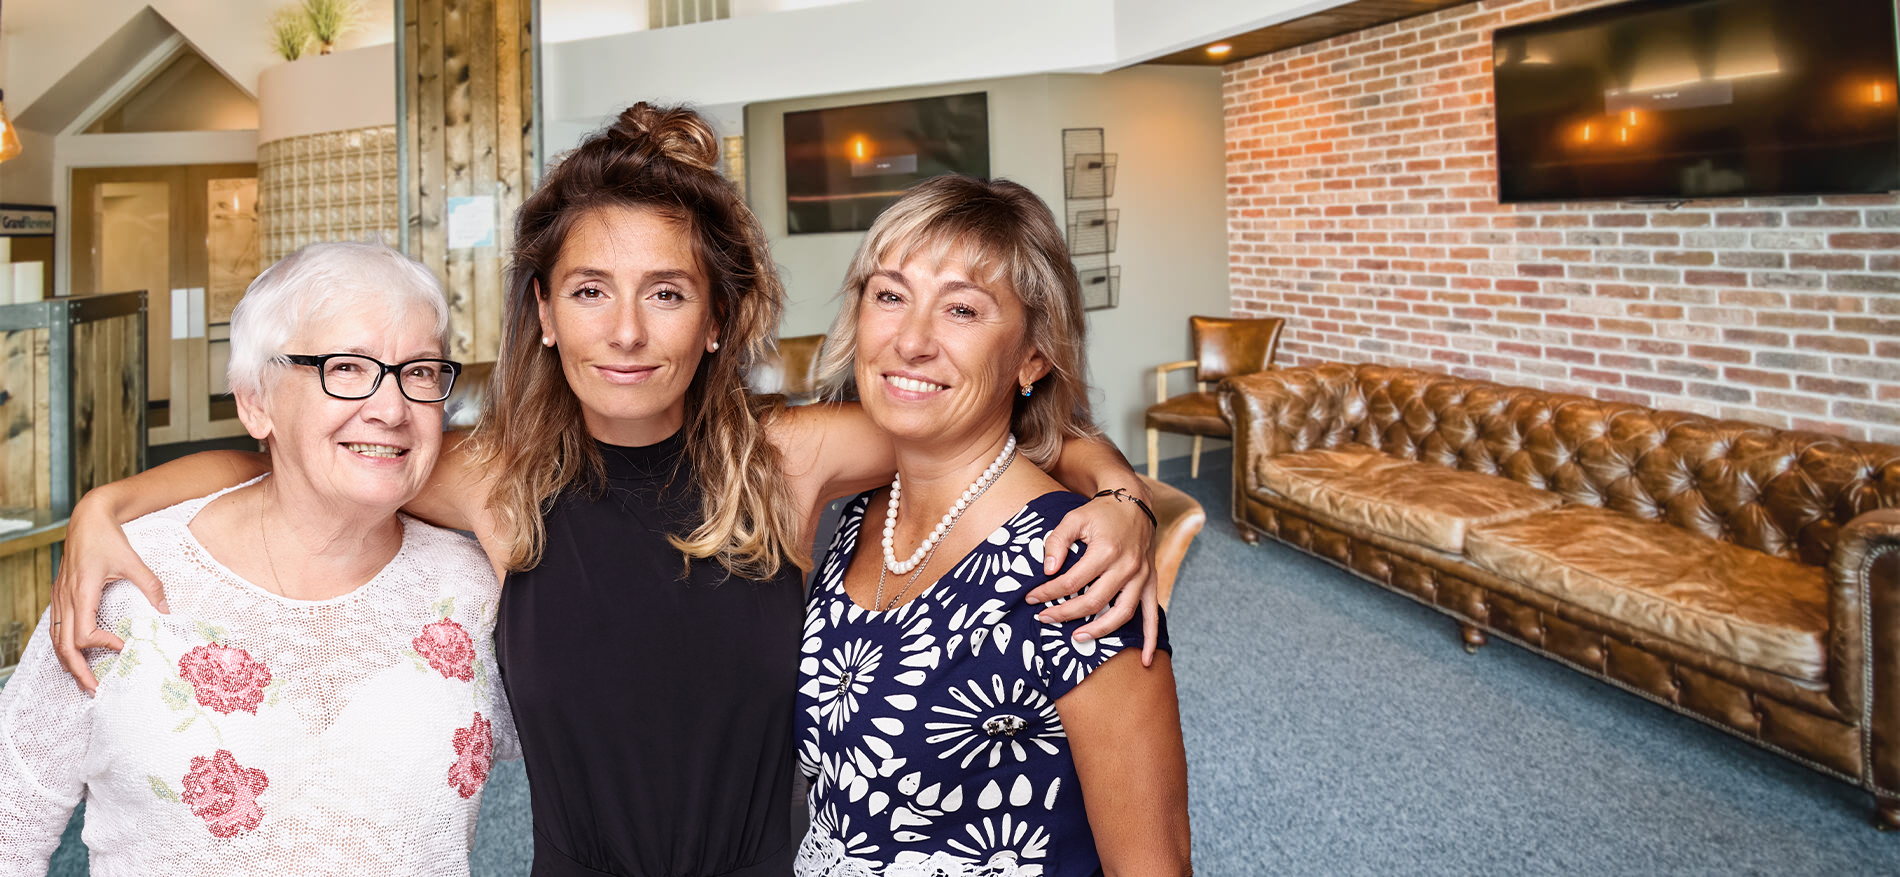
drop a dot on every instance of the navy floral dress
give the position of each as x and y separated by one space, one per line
930 731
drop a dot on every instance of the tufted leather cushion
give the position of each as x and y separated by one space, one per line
1751 608
1779 492
1224 346
1191 414
1413 502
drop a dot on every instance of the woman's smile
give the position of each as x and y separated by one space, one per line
626 375
912 387
375 451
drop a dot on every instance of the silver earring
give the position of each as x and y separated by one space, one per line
546 341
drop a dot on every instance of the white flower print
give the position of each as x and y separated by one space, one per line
828 823
995 721
930 731
1005 571
843 677
1000 845
1071 661
830 848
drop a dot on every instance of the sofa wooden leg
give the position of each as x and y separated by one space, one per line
1154 453
1194 468
1886 813
1248 535
1474 638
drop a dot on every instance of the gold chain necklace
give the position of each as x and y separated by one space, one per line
264 532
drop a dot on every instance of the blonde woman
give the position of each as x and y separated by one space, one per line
945 730
651 517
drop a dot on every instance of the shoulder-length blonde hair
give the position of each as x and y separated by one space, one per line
660 159
1005 234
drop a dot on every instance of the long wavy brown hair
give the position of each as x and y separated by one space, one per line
660 159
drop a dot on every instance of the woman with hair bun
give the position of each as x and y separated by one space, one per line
650 516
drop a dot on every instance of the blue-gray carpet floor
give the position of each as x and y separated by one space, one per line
1337 728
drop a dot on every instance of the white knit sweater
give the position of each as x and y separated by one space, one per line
245 733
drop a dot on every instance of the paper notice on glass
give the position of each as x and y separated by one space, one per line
471 222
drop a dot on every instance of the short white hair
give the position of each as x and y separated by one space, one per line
316 283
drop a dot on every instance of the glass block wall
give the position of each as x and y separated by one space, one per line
336 186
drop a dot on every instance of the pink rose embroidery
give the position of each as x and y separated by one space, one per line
224 793
474 752
447 648
224 679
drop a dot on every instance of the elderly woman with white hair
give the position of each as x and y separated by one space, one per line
322 697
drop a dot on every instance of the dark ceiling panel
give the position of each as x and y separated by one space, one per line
1357 15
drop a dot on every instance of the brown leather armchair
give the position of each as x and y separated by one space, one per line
793 370
464 405
1178 519
1223 348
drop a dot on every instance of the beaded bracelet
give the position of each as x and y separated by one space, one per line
1121 493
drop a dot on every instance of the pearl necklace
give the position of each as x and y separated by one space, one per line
982 486
970 494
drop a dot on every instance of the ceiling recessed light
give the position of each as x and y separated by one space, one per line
1219 49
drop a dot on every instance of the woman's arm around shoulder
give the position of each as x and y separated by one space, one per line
97 552
456 497
1119 527
831 449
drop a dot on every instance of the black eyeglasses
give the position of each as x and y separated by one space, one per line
354 376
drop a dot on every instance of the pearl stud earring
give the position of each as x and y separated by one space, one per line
546 341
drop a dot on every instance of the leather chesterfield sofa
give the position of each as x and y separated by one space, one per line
1743 575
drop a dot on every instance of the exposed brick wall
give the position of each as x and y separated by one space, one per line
1362 206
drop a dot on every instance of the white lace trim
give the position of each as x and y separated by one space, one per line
823 856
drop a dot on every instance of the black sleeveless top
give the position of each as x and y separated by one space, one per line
655 712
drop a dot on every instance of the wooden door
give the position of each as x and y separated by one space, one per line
187 235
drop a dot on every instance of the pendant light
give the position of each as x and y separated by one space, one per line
9 138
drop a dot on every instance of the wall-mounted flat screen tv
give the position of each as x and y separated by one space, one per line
844 165
1679 99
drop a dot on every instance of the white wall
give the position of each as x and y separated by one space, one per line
29 178
49 39
1165 125
340 92
567 20
826 50
874 44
